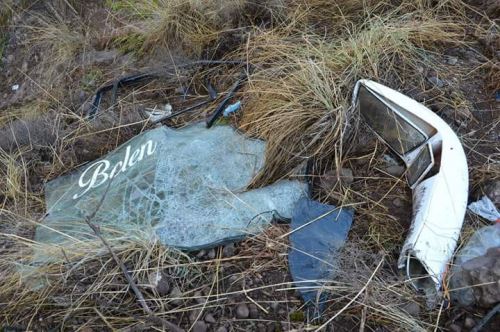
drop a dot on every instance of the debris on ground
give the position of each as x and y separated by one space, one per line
436 171
185 186
476 271
230 109
485 208
318 232
91 77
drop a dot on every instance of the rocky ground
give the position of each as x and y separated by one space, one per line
56 54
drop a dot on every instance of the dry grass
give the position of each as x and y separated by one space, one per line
306 56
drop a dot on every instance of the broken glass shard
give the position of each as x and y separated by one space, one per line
186 187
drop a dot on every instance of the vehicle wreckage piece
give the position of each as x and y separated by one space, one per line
436 170
186 187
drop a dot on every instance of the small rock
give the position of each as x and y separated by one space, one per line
209 318
275 305
492 190
158 281
211 254
261 327
194 315
346 176
228 250
85 329
272 328
254 311
455 328
99 57
199 326
201 253
24 67
397 202
198 297
469 323
330 179
221 329
451 60
436 81
175 294
395 170
232 279
82 96
242 311
412 308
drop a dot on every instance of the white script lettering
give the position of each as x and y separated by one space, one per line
101 171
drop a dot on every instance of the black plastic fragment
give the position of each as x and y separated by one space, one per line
220 108
132 79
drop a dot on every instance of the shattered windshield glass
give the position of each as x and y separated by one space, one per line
186 187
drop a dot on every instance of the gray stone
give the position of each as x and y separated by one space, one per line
24 67
254 311
211 254
469 323
199 326
482 270
99 57
174 295
194 315
201 253
412 308
398 202
228 250
346 176
242 311
436 81
261 327
451 60
395 170
275 305
198 297
160 282
209 318
221 329
455 328
492 190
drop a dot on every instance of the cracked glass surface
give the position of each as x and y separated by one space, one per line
185 187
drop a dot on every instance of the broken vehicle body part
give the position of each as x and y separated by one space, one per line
185 187
318 232
436 170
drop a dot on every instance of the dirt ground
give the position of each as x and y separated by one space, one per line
55 55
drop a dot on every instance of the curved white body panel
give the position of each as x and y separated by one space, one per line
439 202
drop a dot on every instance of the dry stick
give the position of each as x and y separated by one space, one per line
88 219
353 299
